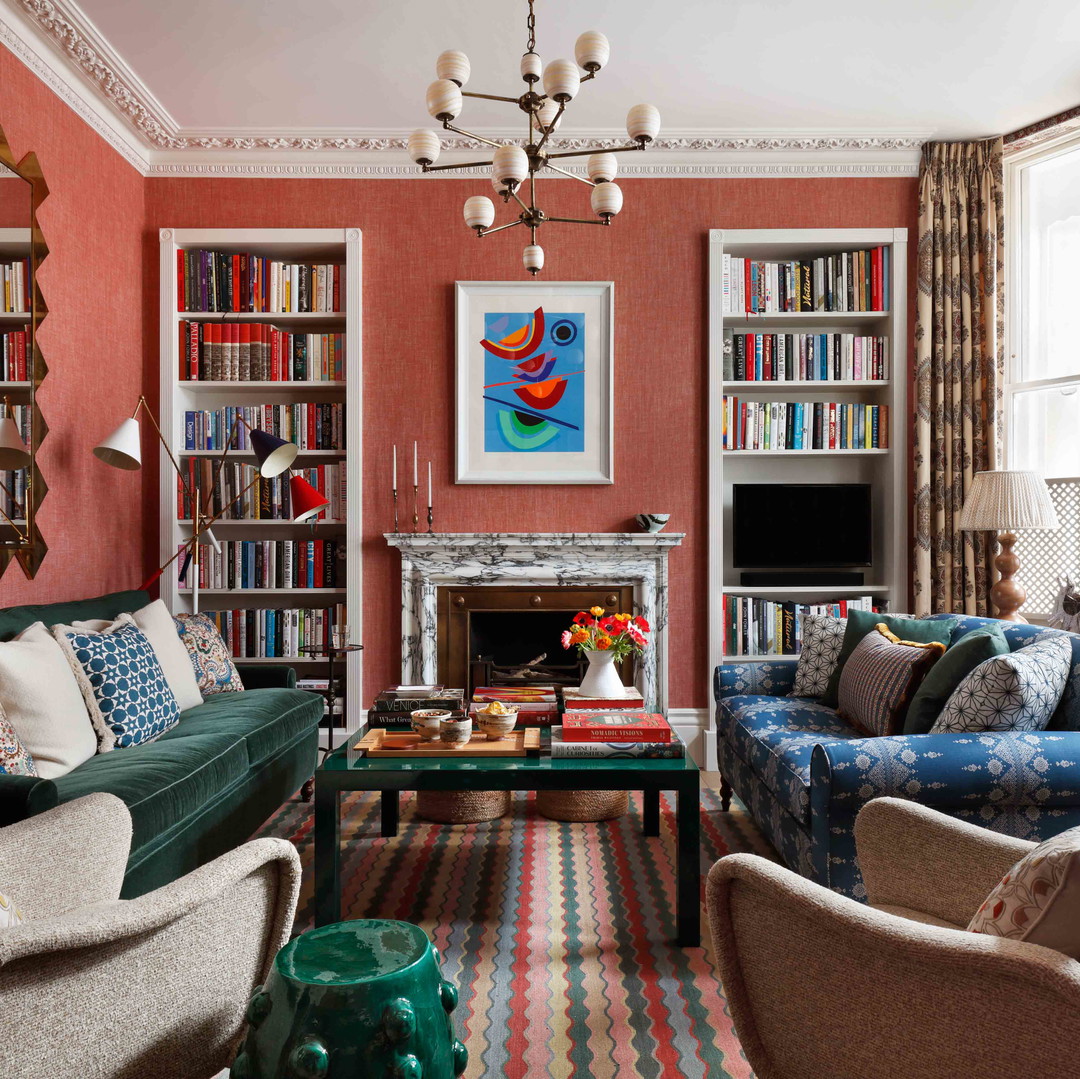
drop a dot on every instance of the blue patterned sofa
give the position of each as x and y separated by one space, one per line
804 773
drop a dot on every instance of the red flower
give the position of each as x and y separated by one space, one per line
636 635
609 625
642 624
583 618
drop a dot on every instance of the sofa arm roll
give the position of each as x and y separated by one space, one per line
23 796
267 675
772 676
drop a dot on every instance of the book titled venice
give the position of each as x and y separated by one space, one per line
616 726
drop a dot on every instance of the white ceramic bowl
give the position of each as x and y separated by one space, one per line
426 723
455 732
496 726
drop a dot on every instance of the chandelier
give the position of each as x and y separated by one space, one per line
513 165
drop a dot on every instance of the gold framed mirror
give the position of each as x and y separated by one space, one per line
22 367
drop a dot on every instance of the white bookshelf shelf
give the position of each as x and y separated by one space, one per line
806 453
16 316
803 591
811 384
296 592
287 661
262 316
744 320
761 657
247 454
280 385
262 522
15 387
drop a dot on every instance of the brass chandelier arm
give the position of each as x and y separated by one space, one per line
517 199
461 165
470 134
566 172
490 97
499 228
599 150
579 220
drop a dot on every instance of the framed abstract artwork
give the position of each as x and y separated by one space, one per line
534 382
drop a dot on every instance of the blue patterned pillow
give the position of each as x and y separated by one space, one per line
1014 692
124 687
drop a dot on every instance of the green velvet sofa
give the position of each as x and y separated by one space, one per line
203 787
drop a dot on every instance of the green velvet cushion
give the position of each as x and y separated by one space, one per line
949 671
860 623
160 782
267 719
14 620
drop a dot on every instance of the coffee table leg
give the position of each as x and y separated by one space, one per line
651 812
327 855
389 813
688 810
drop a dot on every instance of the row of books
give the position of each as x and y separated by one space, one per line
13 482
241 564
223 281
15 359
561 748
270 633
844 281
240 494
765 627
310 425
804 425
258 352
807 357
16 285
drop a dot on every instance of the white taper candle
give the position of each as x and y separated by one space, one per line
415 481
394 484
429 485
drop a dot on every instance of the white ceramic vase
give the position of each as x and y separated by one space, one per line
602 677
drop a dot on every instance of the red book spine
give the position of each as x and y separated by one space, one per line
235 298
875 278
309 410
181 294
627 733
185 369
21 358
766 357
337 289
320 560
746 285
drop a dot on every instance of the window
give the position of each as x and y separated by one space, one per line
1042 405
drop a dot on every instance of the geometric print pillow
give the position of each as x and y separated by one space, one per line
15 758
1038 900
822 638
122 682
214 669
1014 692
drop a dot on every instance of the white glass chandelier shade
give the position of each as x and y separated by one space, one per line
479 212
561 80
444 99
592 50
510 164
533 257
548 115
424 146
453 65
531 67
602 168
499 186
13 452
123 448
643 123
606 199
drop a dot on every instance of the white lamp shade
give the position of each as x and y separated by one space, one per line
499 186
547 114
602 168
606 199
1002 501
561 80
531 67
643 122
479 212
510 164
206 536
424 146
592 50
123 448
453 65
444 99
533 257
13 451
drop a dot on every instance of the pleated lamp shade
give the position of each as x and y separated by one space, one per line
274 454
306 501
13 451
1002 501
123 448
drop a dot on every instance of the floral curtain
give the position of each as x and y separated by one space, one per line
959 366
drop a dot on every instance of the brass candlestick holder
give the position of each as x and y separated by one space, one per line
430 520
415 506
395 510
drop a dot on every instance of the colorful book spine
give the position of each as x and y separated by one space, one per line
618 726
803 425
245 282
310 425
561 749
277 633
754 626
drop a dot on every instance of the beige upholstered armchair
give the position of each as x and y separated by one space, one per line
823 987
94 987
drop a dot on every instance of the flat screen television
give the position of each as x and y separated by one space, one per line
801 525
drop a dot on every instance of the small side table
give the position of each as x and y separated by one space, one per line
332 652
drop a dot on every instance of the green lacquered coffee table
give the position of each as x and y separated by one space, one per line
347 770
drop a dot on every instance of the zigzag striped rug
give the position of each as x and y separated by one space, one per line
555 934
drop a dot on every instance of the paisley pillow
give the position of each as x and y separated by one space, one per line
822 638
10 915
214 669
15 758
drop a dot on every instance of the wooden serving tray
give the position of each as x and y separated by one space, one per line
379 742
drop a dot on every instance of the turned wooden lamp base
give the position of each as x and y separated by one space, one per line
1008 595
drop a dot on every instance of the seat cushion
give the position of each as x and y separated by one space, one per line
161 782
776 736
265 719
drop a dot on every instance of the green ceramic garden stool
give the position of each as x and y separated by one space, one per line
360 998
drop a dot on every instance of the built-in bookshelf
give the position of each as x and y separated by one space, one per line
842 357
266 324
16 362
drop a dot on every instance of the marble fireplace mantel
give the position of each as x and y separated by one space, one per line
430 561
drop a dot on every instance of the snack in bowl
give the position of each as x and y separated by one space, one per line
496 719
426 723
455 731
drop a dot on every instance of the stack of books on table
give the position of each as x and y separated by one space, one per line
320 685
615 733
537 706
391 708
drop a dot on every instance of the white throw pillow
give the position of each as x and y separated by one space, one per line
157 624
43 703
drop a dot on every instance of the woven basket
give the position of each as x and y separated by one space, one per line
462 807
582 805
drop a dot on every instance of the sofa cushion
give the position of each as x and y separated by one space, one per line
266 719
14 620
214 669
822 639
161 782
776 736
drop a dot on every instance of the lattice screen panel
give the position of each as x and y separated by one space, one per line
1046 556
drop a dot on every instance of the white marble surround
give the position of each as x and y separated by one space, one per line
601 559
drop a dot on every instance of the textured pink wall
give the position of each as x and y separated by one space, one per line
416 247
93 518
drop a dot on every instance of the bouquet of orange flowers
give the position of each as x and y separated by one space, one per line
595 631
